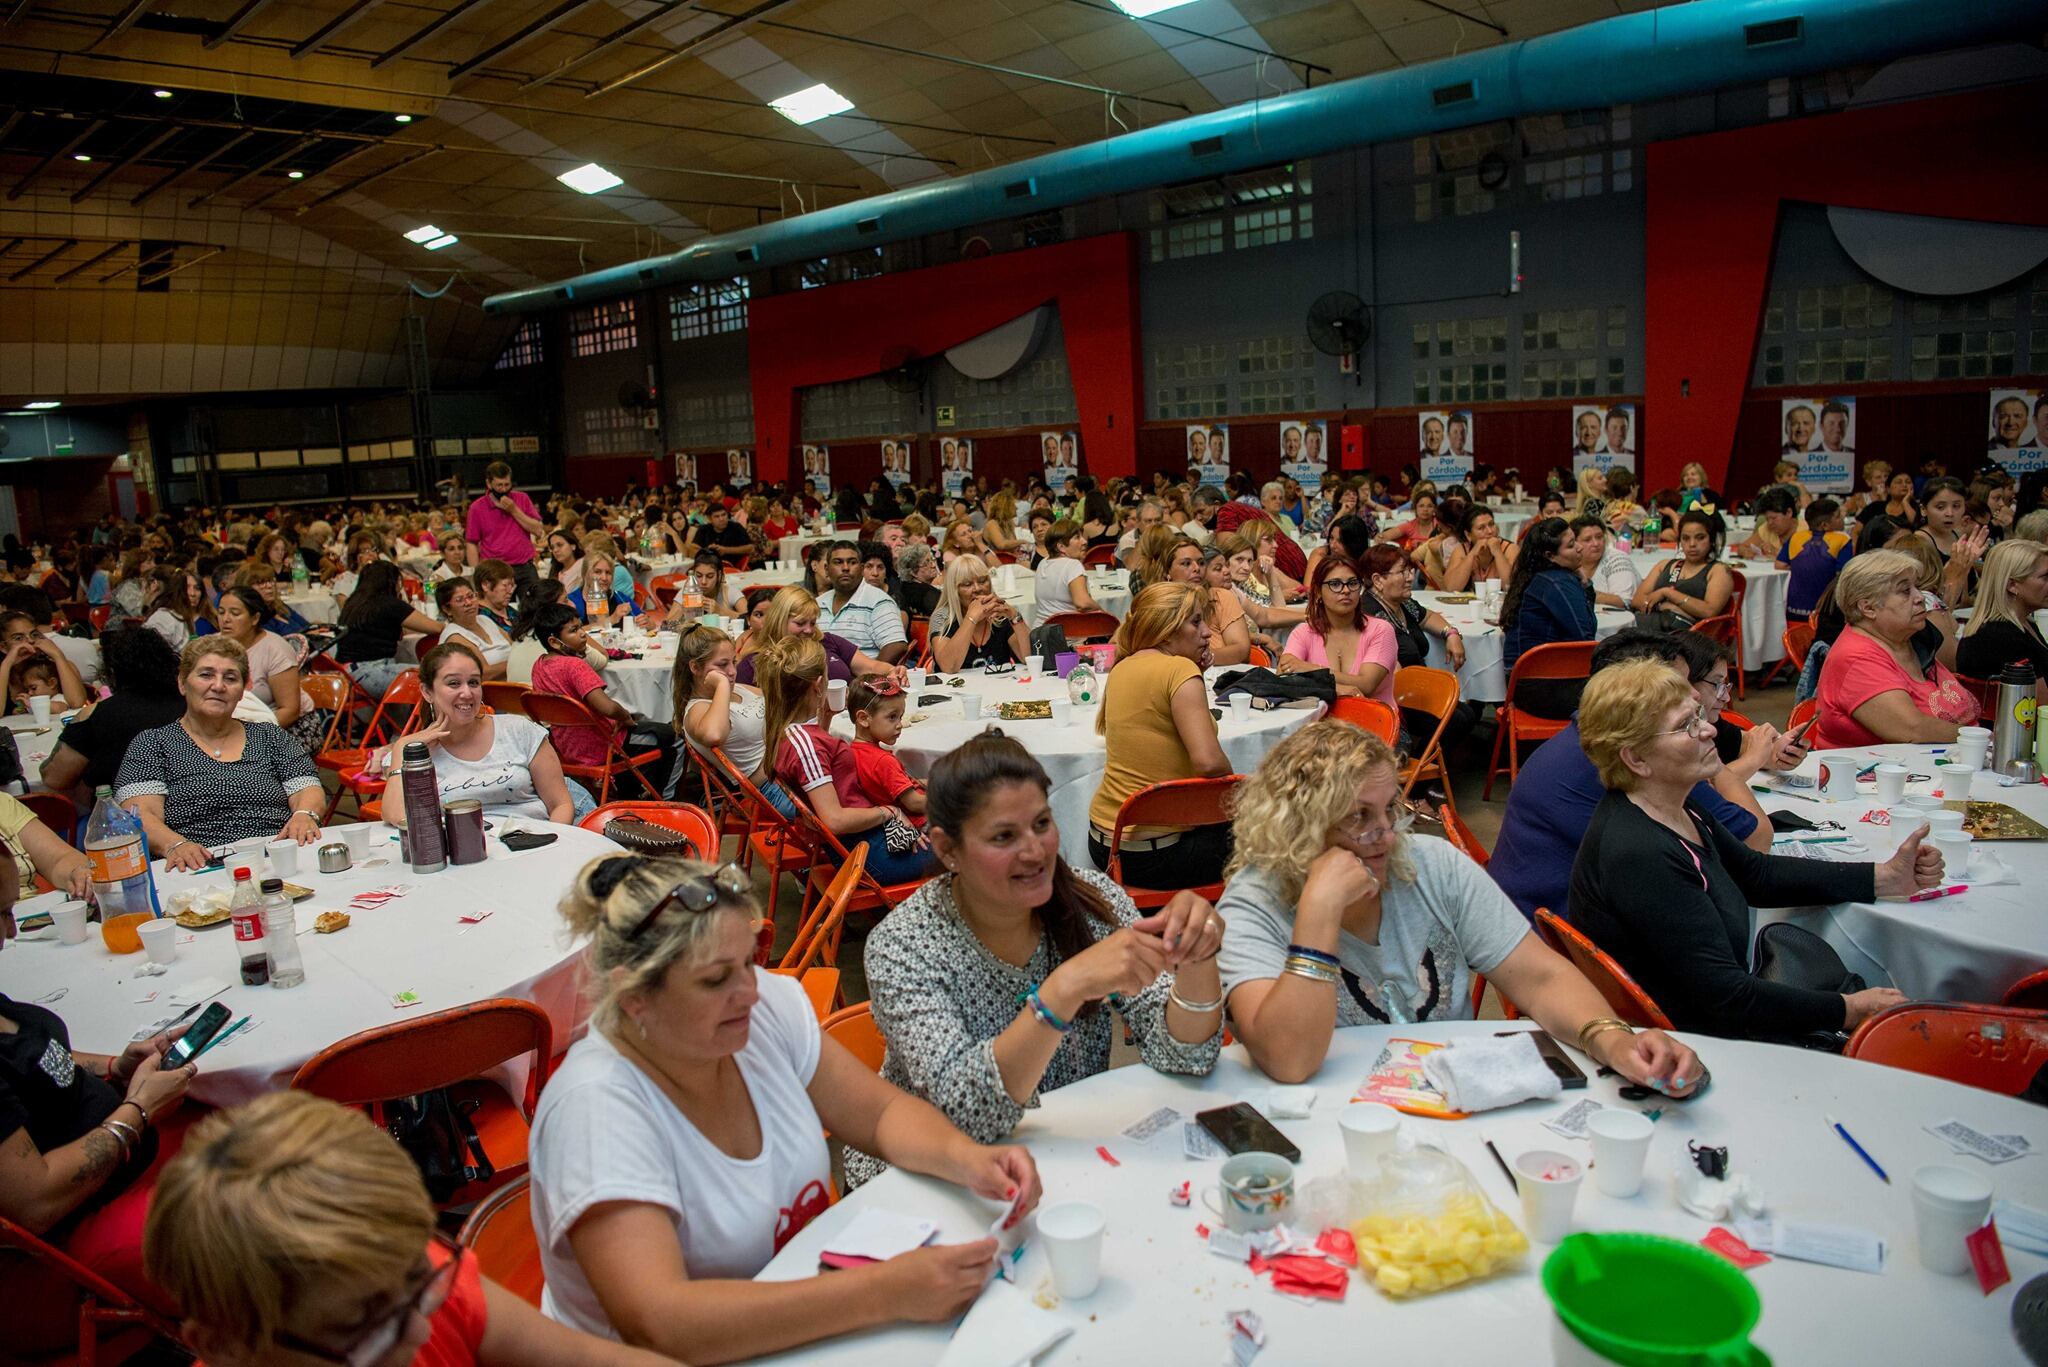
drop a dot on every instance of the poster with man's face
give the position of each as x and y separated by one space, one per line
2019 429
1302 449
1059 453
1819 436
956 464
1446 439
686 468
896 454
1603 437
739 467
1208 446
818 464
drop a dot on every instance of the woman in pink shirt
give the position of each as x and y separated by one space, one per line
1873 687
1356 646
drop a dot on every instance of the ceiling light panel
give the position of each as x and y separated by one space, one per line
589 179
425 233
1140 9
809 105
444 240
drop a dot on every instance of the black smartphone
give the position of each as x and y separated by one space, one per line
197 1036
1241 1129
1560 1062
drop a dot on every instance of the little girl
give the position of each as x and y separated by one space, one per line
877 703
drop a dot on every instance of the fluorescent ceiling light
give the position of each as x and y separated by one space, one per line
808 106
44 403
295 175
80 156
424 234
162 94
402 118
1140 9
444 240
589 178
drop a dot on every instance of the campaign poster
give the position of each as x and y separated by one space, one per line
686 467
2019 429
1819 436
1603 437
896 452
1059 453
1446 439
739 467
1208 454
956 464
818 466
1302 452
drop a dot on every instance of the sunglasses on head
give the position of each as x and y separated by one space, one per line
697 893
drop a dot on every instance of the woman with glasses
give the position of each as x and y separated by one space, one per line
1874 686
1356 646
972 626
464 619
292 1230
681 1143
1338 916
1667 892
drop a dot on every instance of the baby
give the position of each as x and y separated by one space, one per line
33 677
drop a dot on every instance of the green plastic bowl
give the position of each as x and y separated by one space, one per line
1646 1301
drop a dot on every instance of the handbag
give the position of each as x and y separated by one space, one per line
1260 682
435 1131
644 837
1796 957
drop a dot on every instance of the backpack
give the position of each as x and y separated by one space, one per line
435 1131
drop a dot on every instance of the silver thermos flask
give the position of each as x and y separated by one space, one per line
2012 733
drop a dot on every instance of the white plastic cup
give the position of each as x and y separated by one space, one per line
1241 706
1371 1130
1949 1205
1972 747
1838 779
913 679
1943 821
159 940
39 708
1034 665
284 857
1549 1184
1923 802
835 695
69 918
1955 853
970 706
1891 783
1621 1141
357 838
1072 1234
1062 712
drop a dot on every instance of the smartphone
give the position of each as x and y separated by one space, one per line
1804 727
197 1036
1560 1062
1241 1129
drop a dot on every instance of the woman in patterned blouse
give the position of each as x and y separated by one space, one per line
992 983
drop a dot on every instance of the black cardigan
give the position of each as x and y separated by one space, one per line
1675 914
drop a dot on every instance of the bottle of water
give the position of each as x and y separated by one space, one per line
1081 689
281 936
299 572
119 857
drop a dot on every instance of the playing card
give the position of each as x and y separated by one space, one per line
1572 1124
1141 1132
1196 1142
1972 1141
2014 1141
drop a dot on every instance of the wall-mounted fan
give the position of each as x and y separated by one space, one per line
1340 324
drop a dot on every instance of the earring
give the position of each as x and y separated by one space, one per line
640 1024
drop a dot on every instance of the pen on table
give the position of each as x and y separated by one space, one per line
222 1038
186 1014
1796 839
1780 792
1861 1152
1505 1170
1930 894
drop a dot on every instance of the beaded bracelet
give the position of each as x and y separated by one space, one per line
1314 955
1044 1013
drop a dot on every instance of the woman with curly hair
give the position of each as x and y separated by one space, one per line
1336 915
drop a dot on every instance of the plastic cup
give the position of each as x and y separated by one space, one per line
1923 802
159 940
1943 821
284 857
1549 1184
39 708
1062 712
1647 1300
1241 706
1973 745
1034 664
357 838
970 706
1072 1234
835 695
1371 1131
1955 853
914 681
1891 783
1949 1205
1621 1140
69 918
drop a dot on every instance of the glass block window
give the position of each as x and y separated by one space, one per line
1188 381
1275 375
1596 335
1260 208
613 325
1561 330
1187 239
1278 223
855 408
1836 334
1040 392
613 432
1813 94
701 310
522 348
712 417
1561 378
1573 177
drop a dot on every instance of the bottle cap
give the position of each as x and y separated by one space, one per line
271 885
241 874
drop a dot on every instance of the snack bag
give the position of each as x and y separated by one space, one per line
1425 1225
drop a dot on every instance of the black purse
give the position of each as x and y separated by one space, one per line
1796 957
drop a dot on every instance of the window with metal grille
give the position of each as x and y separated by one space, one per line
1263 207
836 270
522 348
701 310
613 325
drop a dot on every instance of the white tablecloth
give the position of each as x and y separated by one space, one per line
1017 585
793 547
34 744
1073 755
317 606
643 685
1970 947
1485 676
415 943
1164 1297
1763 603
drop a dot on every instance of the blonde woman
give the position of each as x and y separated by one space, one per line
999 531
1155 724
293 1230
1335 915
793 611
1874 689
960 540
971 626
682 1141
2002 631
1282 587
1590 496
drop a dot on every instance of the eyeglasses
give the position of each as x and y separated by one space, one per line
697 893
379 1335
1342 585
1700 721
1354 827
1723 686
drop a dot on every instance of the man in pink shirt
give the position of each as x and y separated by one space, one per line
502 524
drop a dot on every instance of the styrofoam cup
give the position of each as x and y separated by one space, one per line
159 940
1621 1140
1972 747
1371 1131
1062 712
1949 1205
1955 853
357 837
970 706
1549 1184
1943 821
39 708
1891 783
69 918
1034 665
284 857
1241 706
1072 1234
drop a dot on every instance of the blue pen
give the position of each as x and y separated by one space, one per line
1861 1153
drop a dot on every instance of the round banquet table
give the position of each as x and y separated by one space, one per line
316 605
1763 603
1164 1297
414 943
643 685
1485 675
793 547
1017 585
34 744
1969 947
1073 755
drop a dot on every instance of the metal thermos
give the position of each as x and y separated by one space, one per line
426 840
2012 732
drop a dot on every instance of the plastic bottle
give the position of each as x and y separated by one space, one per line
1081 689
300 576
281 936
246 907
119 857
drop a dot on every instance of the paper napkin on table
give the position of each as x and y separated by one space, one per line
1004 1329
1484 1075
879 1235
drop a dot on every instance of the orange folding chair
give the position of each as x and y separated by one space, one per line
111 1325
1175 802
503 695
764 832
500 1233
56 811
692 823
451 1049
1628 1000
1998 1048
870 893
1798 639
1099 558
1802 714
346 762
552 710
100 616
1986 694
330 693
1083 626
2030 992
1259 657
1434 691
1735 610
813 956
921 639
854 1029
1369 714
1460 835
1515 727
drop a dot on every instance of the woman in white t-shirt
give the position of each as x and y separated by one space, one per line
1062 578
505 762
462 619
680 1145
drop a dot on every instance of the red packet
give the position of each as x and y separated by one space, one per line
1338 1244
1725 1243
1987 1256
1106 1156
1299 1275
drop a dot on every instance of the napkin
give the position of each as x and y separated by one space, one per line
2021 1226
878 1235
1484 1075
1003 1329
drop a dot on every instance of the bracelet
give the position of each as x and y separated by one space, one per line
1199 1008
1309 968
1593 1029
1044 1013
173 849
130 1101
1313 955
127 1135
